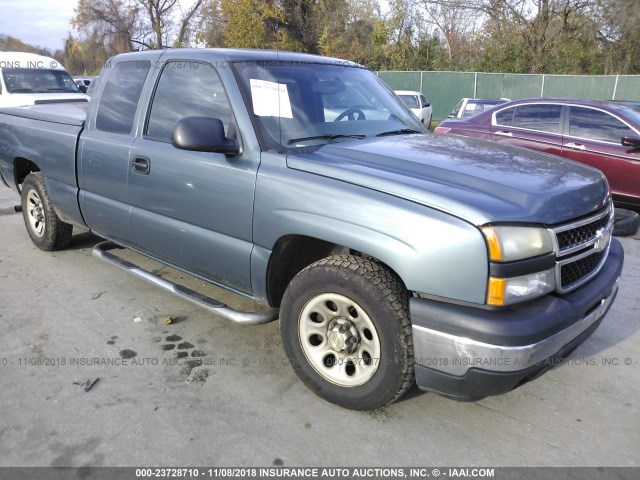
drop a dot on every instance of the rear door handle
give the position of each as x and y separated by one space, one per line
575 146
141 165
504 133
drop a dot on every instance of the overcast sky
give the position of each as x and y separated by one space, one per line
44 23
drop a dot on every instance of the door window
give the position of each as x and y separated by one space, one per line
120 97
592 124
186 89
538 117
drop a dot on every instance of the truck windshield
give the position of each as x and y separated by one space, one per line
305 105
38 80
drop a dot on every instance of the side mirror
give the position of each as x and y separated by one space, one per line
426 104
630 141
82 88
451 115
203 134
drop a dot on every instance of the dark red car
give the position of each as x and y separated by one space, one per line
605 135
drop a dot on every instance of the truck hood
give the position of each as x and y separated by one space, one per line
478 181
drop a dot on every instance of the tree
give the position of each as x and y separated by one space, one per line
158 13
118 22
210 25
456 22
619 32
12 44
520 36
185 24
127 25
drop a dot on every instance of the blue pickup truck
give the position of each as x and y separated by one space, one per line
389 255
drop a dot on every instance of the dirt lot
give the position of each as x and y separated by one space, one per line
231 399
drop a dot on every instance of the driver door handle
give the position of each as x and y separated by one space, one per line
141 165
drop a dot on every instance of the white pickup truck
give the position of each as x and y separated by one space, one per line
30 79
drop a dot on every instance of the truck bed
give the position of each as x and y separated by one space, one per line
72 113
47 136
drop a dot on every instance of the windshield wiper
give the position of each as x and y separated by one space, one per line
22 90
402 131
331 136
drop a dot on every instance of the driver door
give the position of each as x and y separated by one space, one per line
191 209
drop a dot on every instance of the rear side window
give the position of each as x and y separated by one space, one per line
120 97
186 89
538 117
596 125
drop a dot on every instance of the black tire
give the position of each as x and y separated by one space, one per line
46 230
626 222
375 304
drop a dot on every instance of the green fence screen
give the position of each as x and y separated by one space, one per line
445 89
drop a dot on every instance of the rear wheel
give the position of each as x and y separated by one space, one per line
46 230
346 330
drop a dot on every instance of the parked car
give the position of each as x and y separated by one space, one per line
83 83
28 79
418 104
468 107
605 135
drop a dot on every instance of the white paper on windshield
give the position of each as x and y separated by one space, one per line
471 106
270 99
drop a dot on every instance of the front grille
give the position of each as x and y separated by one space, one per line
572 273
580 235
581 248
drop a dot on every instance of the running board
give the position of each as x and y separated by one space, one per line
210 304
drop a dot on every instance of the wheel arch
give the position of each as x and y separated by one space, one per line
292 253
21 168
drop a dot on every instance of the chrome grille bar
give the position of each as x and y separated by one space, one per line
575 241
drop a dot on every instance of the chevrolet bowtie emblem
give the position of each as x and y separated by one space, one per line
602 240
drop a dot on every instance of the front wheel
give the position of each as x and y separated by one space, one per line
46 230
346 330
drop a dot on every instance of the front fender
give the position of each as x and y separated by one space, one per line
431 251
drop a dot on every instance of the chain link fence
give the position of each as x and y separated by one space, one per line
445 89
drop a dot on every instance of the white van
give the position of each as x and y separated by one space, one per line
29 79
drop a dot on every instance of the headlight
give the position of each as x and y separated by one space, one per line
515 243
510 244
507 291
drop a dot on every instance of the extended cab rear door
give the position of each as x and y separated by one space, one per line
105 149
192 209
536 126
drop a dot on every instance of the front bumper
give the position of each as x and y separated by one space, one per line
470 353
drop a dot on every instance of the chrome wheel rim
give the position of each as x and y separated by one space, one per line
35 213
339 339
